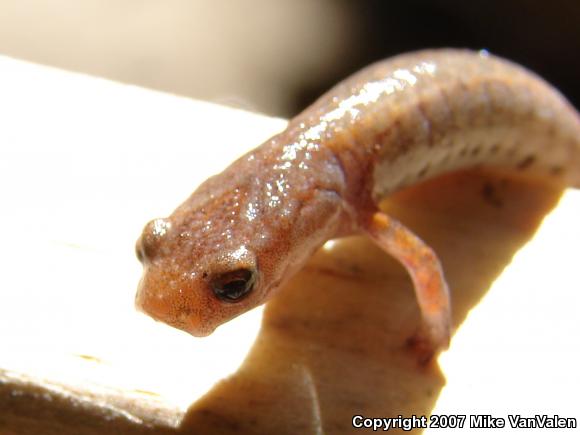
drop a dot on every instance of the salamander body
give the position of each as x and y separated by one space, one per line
239 237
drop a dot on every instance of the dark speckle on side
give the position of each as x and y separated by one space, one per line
526 162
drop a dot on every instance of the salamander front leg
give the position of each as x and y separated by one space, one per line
425 269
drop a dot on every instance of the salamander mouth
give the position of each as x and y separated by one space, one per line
183 321
197 332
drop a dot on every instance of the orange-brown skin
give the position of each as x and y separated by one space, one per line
392 124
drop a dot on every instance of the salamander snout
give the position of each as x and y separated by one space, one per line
148 245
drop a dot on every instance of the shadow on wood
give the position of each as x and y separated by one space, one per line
332 343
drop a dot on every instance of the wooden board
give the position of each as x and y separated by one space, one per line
84 163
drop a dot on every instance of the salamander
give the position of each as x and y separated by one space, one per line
243 233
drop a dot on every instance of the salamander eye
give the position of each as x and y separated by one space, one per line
147 247
233 286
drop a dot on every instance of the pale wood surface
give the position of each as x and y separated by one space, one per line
84 163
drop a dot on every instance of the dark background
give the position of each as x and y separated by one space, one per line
276 56
542 35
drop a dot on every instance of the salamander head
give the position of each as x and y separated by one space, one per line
224 251
195 296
